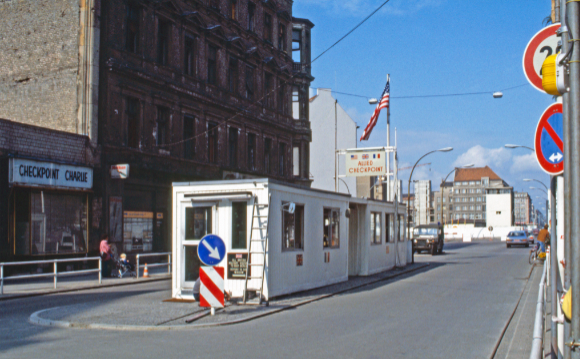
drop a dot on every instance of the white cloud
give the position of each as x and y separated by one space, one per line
481 157
524 163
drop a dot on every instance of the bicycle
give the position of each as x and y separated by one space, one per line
534 254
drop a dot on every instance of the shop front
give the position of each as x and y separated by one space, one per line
48 208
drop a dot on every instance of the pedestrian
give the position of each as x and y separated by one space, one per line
542 237
106 257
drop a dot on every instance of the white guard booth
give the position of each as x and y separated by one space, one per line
313 245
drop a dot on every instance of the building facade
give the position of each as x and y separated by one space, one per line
442 210
423 199
523 209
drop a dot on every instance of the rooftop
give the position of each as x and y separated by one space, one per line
475 174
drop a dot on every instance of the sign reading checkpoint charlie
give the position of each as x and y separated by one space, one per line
365 163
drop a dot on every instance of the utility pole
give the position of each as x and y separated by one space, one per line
572 15
388 196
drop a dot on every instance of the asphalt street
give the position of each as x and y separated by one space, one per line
456 307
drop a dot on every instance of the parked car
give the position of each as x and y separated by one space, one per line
517 238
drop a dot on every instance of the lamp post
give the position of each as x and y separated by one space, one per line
443 181
518 146
446 149
535 180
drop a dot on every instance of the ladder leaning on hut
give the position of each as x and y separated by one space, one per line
257 249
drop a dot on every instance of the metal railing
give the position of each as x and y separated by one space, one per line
55 272
141 255
538 338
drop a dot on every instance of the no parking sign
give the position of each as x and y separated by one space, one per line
549 140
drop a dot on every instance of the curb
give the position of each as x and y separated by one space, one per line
76 289
36 319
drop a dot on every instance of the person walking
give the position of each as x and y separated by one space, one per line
542 236
106 258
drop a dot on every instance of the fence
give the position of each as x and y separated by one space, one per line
55 272
538 338
141 255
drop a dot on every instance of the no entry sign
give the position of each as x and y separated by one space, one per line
542 45
211 289
549 140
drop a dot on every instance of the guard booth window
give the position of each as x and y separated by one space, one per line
391 228
375 228
331 228
387 228
239 225
401 233
198 222
293 228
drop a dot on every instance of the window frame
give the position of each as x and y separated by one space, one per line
251 16
189 55
251 151
233 146
212 142
132 37
162 122
133 121
331 211
163 41
189 138
268 27
373 228
299 210
212 57
232 75
245 224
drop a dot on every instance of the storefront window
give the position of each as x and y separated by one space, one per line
198 222
50 223
331 228
137 231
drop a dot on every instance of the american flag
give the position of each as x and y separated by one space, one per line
384 103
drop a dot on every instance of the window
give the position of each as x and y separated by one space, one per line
387 228
281 37
133 119
375 228
239 225
391 228
438 199
251 11
497 212
198 222
249 83
282 159
478 208
233 75
233 10
471 183
296 102
464 183
465 208
438 207
444 199
212 142
282 98
296 161
268 86
211 65
251 151
331 228
464 199
464 191
296 46
188 137
162 125
471 199
457 191
189 56
471 208
214 4
267 155
293 228
233 146
132 35
401 233
163 37
268 27
458 208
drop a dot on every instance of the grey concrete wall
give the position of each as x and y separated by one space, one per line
39 55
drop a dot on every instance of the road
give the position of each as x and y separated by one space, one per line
456 307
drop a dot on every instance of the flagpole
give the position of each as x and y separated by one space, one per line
389 190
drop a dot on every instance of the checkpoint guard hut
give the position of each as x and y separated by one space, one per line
307 238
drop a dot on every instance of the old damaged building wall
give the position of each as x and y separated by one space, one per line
39 62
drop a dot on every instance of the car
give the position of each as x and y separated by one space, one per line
517 238
429 238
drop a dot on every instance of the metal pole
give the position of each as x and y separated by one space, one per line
1 279
335 146
573 12
55 274
554 268
389 196
137 260
100 271
567 179
169 264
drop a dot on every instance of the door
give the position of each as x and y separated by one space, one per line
198 219
353 238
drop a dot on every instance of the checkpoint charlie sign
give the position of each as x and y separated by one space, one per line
30 172
371 163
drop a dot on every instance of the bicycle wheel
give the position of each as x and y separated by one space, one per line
532 257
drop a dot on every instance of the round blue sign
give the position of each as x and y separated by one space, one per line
211 250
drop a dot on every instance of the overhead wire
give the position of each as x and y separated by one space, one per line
276 87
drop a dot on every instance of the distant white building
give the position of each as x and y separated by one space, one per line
324 111
422 201
500 204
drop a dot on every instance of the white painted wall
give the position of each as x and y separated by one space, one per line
322 122
501 203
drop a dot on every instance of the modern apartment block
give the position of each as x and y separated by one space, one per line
442 210
523 208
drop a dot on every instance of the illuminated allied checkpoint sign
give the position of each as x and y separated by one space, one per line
370 163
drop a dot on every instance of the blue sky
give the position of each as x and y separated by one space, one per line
437 47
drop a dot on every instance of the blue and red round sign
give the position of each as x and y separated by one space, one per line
549 140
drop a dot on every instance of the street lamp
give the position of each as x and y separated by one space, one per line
535 180
518 146
539 189
446 149
443 181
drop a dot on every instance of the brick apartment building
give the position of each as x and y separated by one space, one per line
180 90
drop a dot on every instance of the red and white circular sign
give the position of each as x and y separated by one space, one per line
542 45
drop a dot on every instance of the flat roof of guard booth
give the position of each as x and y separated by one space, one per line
307 261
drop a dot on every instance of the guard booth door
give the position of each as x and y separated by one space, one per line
198 219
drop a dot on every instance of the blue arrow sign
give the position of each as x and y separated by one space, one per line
549 140
211 250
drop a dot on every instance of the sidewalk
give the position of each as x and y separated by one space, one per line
153 310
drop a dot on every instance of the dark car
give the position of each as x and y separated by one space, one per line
429 237
517 238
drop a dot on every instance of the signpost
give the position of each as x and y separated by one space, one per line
542 45
371 163
549 140
211 290
211 250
